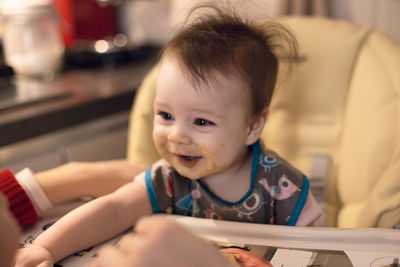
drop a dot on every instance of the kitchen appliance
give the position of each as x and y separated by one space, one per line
92 34
86 21
31 41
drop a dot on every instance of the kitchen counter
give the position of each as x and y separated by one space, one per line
34 107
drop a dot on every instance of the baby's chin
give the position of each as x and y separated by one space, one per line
194 171
190 174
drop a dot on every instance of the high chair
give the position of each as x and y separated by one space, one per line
336 118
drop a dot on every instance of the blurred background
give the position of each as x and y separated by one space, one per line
110 26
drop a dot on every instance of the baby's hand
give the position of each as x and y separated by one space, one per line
34 256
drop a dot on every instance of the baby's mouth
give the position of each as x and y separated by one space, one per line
188 161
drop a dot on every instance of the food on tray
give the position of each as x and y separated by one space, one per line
245 258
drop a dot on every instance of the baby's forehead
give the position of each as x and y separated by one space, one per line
213 81
207 82
203 75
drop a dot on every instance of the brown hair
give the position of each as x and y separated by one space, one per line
230 45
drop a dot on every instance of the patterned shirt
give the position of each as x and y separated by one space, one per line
277 195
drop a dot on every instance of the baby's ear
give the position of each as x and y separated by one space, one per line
256 127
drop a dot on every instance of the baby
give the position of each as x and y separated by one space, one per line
215 84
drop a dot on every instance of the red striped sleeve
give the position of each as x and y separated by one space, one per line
19 202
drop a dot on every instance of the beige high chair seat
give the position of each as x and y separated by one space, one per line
341 104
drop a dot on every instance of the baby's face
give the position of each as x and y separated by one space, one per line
200 131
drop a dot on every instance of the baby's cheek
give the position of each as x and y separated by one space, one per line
160 141
211 152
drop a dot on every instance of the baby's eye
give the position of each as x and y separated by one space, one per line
203 122
165 115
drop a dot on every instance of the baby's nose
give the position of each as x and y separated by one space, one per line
180 135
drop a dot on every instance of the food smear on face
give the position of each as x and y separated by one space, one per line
210 157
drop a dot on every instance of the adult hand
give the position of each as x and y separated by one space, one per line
9 233
160 242
34 256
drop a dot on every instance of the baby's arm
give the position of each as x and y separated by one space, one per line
310 213
91 224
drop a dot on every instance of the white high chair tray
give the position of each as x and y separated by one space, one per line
283 246
306 246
